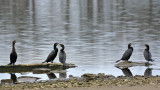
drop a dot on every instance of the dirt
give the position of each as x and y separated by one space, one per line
90 82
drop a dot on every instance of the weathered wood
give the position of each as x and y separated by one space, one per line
41 70
30 67
126 64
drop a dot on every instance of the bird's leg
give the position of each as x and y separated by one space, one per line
13 65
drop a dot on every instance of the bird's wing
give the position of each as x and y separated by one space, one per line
65 56
147 55
127 54
51 54
62 56
150 56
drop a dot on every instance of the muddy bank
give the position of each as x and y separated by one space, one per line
87 80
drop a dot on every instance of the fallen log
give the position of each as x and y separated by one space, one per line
29 67
126 64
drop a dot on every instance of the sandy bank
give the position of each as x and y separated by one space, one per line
144 87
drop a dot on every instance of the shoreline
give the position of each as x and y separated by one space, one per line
143 87
90 82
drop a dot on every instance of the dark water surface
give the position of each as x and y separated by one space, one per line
94 32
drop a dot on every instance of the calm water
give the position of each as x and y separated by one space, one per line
94 32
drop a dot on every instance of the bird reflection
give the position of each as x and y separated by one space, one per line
13 77
51 75
126 72
148 72
63 75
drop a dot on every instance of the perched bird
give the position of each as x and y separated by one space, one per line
147 54
127 54
62 55
52 54
13 55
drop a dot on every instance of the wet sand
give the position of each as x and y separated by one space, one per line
144 87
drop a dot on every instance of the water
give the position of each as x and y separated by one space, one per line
94 32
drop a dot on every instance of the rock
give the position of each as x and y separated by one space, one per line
89 76
27 79
121 77
70 76
41 70
101 75
4 81
109 76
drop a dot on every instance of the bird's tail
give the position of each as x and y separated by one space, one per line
9 63
117 61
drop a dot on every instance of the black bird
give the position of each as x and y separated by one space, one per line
62 55
52 54
147 54
13 55
127 54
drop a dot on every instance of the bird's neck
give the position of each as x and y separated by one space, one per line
147 48
62 49
130 48
55 48
13 47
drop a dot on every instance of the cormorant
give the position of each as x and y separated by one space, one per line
147 54
52 54
13 55
62 55
127 54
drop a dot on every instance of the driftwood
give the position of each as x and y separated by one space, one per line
126 64
29 67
